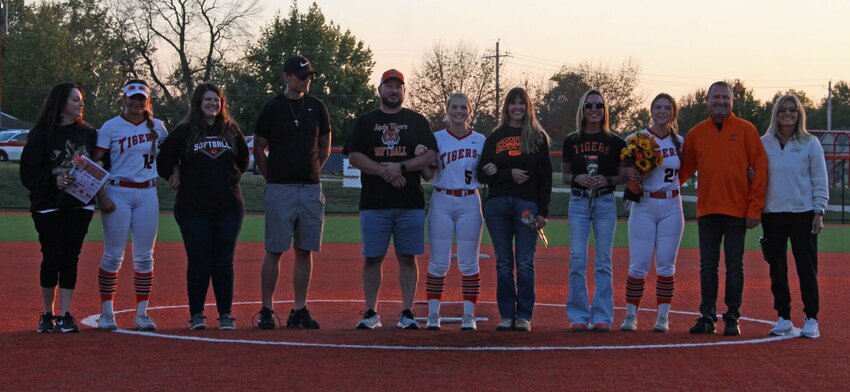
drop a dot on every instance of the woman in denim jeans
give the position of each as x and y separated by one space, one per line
592 167
204 159
515 165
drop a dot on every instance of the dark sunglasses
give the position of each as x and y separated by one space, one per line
598 105
787 110
304 77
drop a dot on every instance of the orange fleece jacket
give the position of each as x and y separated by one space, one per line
721 159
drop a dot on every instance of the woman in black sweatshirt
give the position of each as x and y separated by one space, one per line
516 167
204 158
60 134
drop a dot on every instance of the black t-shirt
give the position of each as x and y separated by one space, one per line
46 156
503 149
210 168
606 146
386 137
293 129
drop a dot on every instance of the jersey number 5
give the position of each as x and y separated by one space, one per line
467 175
148 161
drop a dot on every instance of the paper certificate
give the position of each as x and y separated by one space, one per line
89 177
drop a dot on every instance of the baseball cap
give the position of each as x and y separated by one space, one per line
392 74
132 89
298 65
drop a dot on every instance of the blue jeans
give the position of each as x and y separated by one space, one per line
503 214
210 241
600 214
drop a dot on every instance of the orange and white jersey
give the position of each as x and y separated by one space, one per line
129 147
664 178
457 160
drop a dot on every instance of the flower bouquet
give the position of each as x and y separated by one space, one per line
642 152
530 220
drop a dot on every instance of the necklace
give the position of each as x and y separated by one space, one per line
291 110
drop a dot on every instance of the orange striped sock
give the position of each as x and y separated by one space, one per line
107 282
434 286
471 286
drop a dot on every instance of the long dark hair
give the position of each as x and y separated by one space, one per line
533 133
674 121
195 117
148 114
54 106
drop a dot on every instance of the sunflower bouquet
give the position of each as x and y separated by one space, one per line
642 152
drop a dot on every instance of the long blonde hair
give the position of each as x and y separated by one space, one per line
533 133
580 113
799 128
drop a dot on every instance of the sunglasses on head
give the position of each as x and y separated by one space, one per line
787 110
598 105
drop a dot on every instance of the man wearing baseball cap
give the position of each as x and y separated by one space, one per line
392 204
296 129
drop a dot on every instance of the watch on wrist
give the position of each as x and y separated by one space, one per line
819 212
403 167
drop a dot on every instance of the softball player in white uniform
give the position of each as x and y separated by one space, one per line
656 222
455 211
129 200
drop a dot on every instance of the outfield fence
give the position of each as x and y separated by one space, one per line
341 186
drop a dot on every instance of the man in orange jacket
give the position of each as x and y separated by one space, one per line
721 148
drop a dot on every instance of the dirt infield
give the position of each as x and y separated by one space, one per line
339 357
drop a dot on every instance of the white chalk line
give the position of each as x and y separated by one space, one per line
91 321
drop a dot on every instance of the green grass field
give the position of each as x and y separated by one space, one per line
346 229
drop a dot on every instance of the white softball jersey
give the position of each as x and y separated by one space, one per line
129 147
457 160
664 178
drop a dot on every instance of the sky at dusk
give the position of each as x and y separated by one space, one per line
679 45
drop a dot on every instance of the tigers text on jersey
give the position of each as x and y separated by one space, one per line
664 178
129 147
457 160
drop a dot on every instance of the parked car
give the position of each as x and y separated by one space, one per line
252 166
12 144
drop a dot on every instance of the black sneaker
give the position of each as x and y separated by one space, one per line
301 319
704 325
732 328
45 323
66 323
265 318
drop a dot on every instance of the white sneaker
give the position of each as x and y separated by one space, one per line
662 323
370 320
468 323
782 327
407 320
505 325
810 329
629 323
145 323
433 322
522 325
106 322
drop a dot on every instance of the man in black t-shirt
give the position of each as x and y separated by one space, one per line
296 129
392 204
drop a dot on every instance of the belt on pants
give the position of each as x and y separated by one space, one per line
589 192
662 195
456 192
130 184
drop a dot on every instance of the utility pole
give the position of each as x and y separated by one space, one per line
4 29
497 56
829 107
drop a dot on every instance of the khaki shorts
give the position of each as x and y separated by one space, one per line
295 214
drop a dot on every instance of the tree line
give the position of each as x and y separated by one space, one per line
176 44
